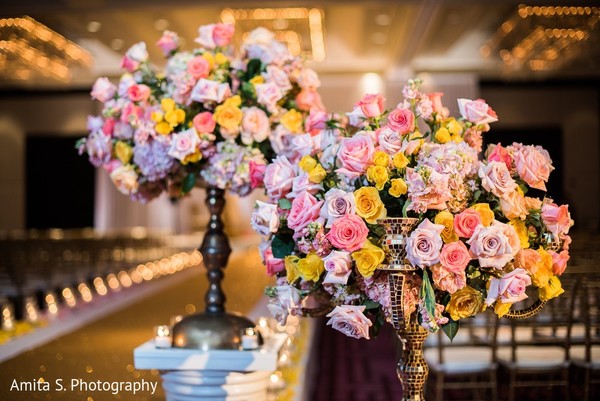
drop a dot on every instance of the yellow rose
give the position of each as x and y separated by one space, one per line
210 58
368 258
486 214
377 175
192 158
157 116
501 308
233 101
220 58
540 276
400 160
442 135
311 267
228 116
369 205
291 268
317 174
521 229
259 79
292 121
552 290
307 163
123 152
398 187
464 303
446 219
167 104
163 128
175 117
381 159
453 127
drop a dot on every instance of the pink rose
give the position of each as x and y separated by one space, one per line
477 111
138 93
302 184
136 55
257 174
424 244
308 79
559 261
447 280
222 34
427 189
401 121
168 42
533 165
308 99
265 218
338 265
204 122
355 154
350 320
184 143
109 126
510 288
279 77
356 117
496 178
455 256
436 102
131 114
390 141
198 67
268 94
315 121
273 264
371 105
206 90
305 209
499 153
255 125
338 203
466 222
557 219
349 232
103 90
491 246
279 177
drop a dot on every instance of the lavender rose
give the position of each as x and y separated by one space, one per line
350 320
424 244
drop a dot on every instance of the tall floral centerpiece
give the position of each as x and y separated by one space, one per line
213 117
404 220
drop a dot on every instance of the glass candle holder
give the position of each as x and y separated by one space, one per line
249 338
162 336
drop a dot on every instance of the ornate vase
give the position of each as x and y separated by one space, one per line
412 369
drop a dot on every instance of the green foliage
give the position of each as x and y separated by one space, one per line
450 328
188 183
284 204
282 245
428 295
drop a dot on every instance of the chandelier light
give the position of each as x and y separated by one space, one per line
29 48
543 38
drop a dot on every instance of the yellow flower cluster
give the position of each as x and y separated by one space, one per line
450 130
123 151
316 172
169 117
229 115
309 268
292 121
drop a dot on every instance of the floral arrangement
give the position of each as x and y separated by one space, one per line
211 116
482 239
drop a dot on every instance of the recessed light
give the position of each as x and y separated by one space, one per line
117 44
161 24
378 38
94 26
383 19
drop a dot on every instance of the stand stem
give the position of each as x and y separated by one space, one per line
215 250
412 369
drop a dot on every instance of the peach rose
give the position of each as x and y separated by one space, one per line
371 105
465 223
533 165
557 219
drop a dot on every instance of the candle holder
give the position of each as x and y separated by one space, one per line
215 328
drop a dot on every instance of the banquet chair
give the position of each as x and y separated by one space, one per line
586 357
537 354
463 366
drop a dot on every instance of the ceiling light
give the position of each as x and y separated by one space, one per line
383 19
93 26
378 38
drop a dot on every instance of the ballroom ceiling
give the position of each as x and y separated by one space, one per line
497 40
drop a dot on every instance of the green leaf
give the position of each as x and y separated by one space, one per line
450 328
371 305
428 296
253 68
188 183
284 204
282 245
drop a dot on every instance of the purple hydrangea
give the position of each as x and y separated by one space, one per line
153 160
